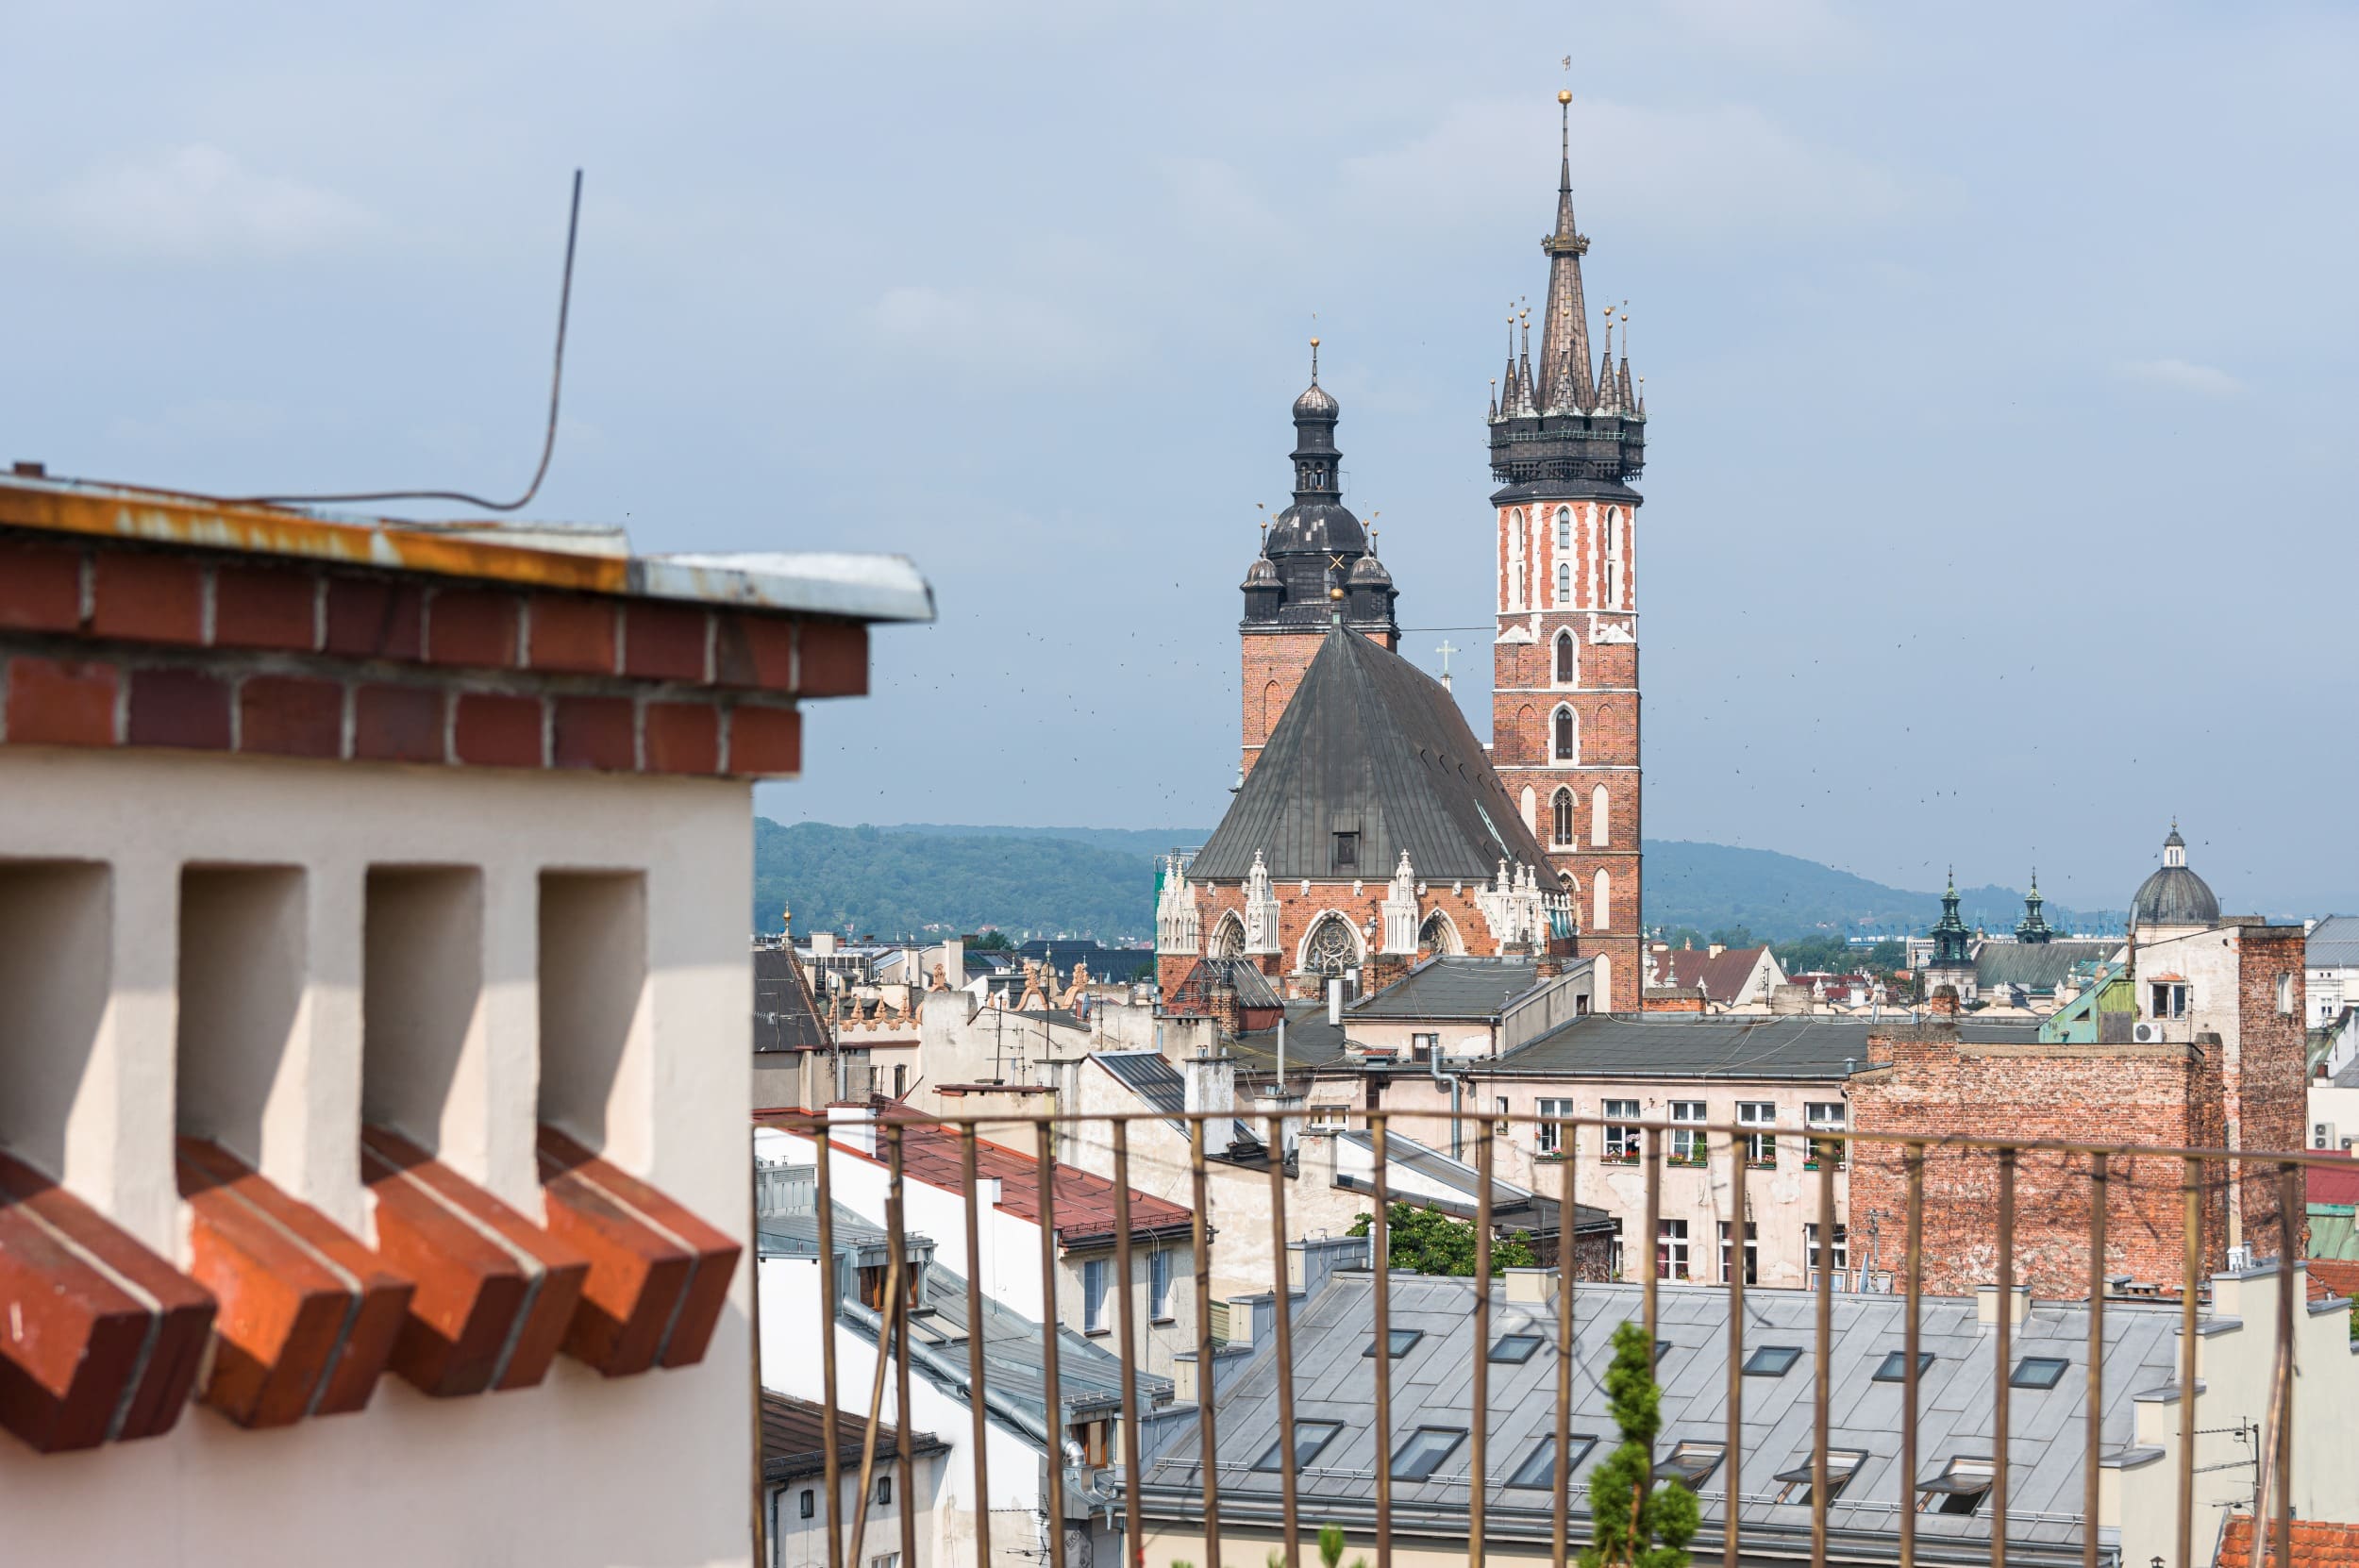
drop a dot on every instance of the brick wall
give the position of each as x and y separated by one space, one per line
1273 665
2267 1086
106 643
1926 1082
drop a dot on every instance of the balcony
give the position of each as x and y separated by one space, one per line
2105 1420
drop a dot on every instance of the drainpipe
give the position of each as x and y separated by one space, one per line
1434 1061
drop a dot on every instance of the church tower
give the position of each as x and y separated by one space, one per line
1566 437
1316 568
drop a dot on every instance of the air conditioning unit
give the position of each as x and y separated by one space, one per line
2146 1033
2239 1259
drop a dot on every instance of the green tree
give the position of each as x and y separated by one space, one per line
1888 955
1637 1523
1734 935
1424 1241
993 941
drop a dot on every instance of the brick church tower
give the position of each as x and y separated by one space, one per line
1315 568
1566 438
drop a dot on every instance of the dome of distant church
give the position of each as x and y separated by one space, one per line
1316 403
2174 896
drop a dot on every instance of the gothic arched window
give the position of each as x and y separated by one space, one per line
1437 935
1563 582
1331 947
1603 901
1567 669
1562 824
1598 818
1229 937
1614 559
1567 747
1565 528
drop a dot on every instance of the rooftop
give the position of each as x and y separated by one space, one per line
1685 1045
1450 987
794 1441
2333 943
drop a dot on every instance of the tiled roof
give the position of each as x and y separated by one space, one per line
1370 744
794 1441
2329 1277
1086 1203
1719 975
2316 1544
1449 988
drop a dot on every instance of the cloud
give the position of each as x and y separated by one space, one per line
2183 376
196 202
1014 333
1718 170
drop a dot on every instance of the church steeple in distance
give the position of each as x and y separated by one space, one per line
2033 928
1564 386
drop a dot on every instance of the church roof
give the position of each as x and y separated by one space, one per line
2036 965
1370 744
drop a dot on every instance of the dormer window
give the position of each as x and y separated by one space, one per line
1346 852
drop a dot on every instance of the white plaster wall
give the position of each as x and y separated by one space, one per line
2337 1108
791 1364
647 1470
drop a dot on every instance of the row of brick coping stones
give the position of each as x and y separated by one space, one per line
282 1314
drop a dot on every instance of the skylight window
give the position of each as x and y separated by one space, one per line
1310 1437
1515 1348
1403 1340
1691 1463
2039 1372
1538 1471
1426 1451
1772 1360
1959 1489
1841 1464
1892 1369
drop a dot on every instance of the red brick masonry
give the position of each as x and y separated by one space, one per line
115 643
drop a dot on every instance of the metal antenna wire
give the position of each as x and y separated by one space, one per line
549 443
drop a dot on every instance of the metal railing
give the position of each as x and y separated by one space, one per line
2196 1175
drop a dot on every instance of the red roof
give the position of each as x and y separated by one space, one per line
2333 1184
2332 1276
2315 1544
1086 1203
1719 975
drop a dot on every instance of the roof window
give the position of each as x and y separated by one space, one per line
1404 1341
1959 1487
1841 1464
1515 1348
1427 1450
1772 1360
1538 1471
1691 1463
1893 1368
2039 1372
1310 1438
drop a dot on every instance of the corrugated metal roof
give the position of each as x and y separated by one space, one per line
1431 1382
794 1438
1669 1046
1153 1078
2333 943
1373 745
1449 987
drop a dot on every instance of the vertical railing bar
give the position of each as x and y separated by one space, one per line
1381 1242
1284 1324
1479 1397
2191 1176
2003 1350
1052 1394
1736 1351
830 1436
1207 1446
1823 1382
897 1225
1135 1551
2099 1195
1568 1231
1913 1163
2289 1204
967 1137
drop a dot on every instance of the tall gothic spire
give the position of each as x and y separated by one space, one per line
1564 383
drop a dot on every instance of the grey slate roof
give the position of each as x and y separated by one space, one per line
1334 1381
1154 1080
1675 1045
786 1017
1311 1042
2036 965
1447 987
2333 943
1370 744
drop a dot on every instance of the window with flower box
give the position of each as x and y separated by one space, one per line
1687 1143
1824 1116
1555 1138
1761 1147
1621 1142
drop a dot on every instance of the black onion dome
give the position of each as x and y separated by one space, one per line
1316 403
1367 568
1262 573
2174 896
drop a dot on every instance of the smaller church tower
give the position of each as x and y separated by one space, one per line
2033 928
1316 569
1953 961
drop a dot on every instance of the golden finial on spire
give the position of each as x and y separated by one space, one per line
1564 96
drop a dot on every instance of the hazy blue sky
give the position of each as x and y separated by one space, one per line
2000 361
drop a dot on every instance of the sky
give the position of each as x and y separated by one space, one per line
2000 362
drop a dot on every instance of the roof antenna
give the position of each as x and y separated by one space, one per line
549 443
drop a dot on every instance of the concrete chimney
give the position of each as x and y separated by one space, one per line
1986 1303
854 1127
1211 1085
1789 999
1714 950
953 964
1336 999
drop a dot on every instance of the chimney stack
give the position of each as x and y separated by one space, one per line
1943 1003
1210 1084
